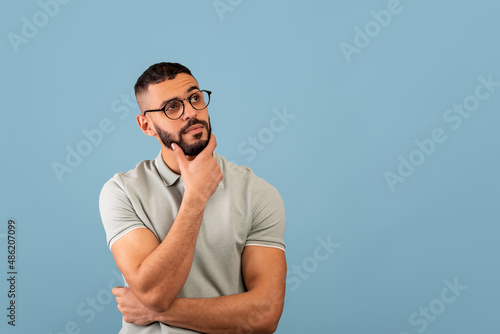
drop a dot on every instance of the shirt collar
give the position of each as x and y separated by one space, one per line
167 174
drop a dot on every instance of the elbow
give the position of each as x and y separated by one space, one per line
268 327
268 324
153 298
271 316
272 327
159 307
265 329
157 302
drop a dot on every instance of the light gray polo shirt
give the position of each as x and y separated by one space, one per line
244 210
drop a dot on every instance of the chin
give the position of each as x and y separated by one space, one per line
199 136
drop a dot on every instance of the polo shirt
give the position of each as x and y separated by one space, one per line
244 210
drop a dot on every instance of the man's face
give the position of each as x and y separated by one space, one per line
192 130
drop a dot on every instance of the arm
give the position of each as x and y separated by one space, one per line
259 309
154 271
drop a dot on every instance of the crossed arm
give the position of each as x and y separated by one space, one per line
258 310
146 265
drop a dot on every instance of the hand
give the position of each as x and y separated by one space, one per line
131 308
202 175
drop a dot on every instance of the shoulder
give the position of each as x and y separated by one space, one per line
232 169
244 175
140 176
235 173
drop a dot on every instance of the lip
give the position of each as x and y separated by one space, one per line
195 128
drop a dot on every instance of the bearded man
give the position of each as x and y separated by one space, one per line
198 239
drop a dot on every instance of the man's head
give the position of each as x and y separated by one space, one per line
164 85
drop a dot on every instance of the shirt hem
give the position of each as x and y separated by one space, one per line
124 233
266 246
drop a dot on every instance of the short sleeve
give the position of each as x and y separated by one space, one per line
117 213
268 216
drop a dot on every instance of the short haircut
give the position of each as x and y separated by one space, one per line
158 73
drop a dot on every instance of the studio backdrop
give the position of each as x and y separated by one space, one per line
377 121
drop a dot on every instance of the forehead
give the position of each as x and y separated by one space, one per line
168 89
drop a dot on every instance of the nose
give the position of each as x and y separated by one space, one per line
189 111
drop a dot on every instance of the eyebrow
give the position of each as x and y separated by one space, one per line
189 90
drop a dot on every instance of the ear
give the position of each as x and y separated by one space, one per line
146 125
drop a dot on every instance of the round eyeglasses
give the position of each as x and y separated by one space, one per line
174 109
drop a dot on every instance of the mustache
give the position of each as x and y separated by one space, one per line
192 122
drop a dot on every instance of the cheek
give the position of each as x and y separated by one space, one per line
170 131
206 119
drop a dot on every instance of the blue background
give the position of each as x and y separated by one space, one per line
350 119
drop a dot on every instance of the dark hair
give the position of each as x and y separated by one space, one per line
158 73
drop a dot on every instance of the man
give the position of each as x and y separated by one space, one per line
198 240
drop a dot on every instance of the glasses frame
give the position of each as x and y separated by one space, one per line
183 106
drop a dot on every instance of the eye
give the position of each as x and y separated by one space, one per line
173 106
196 97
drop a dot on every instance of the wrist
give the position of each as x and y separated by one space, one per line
194 200
154 316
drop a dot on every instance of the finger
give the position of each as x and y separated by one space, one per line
212 144
117 290
179 153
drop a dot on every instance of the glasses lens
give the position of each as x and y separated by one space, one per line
174 109
200 100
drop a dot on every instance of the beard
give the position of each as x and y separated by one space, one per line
194 149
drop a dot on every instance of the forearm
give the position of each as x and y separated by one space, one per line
237 313
257 311
162 274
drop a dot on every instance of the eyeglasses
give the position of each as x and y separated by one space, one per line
175 108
